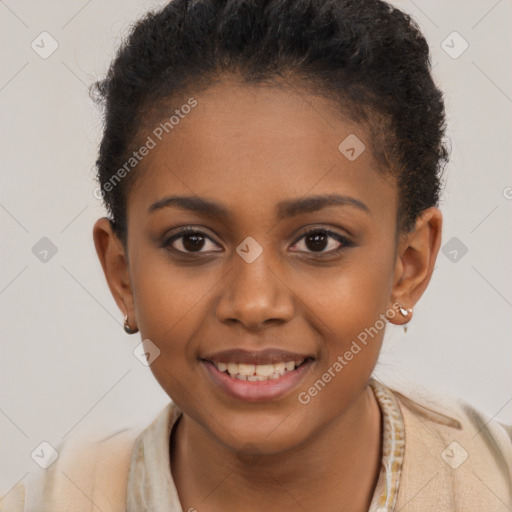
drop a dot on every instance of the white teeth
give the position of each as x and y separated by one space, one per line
279 368
255 378
258 372
265 370
232 368
246 369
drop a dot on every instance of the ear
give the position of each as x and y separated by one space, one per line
114 261
416 256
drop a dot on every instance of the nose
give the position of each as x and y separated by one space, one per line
255 295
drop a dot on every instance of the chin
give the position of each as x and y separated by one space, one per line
261 434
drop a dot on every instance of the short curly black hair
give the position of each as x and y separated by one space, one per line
367 56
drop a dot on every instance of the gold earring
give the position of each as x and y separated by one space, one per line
405 312
127 328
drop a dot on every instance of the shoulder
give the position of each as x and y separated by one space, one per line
90 472
456 457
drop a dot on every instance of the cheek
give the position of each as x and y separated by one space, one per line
170 312
350 316
172 304
349 304
168 297
351 297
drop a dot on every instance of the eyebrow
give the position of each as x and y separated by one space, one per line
287 208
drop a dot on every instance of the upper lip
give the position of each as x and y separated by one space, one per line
244 356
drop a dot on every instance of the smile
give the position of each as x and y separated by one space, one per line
257 372
258 382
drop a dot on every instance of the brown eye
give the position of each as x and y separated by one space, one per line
316 241
321 241
191 241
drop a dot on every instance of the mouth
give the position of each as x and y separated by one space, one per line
258 372
257 376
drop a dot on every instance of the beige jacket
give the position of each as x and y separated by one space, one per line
455 460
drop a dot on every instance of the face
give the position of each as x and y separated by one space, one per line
257 250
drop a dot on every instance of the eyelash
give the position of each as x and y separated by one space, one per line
344 242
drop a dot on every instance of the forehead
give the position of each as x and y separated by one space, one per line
251 147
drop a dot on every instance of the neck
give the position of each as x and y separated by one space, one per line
339 466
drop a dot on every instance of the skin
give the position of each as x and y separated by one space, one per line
227 454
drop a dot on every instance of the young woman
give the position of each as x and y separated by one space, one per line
272 171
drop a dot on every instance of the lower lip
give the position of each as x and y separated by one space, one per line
258 391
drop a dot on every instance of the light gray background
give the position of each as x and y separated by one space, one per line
66 364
